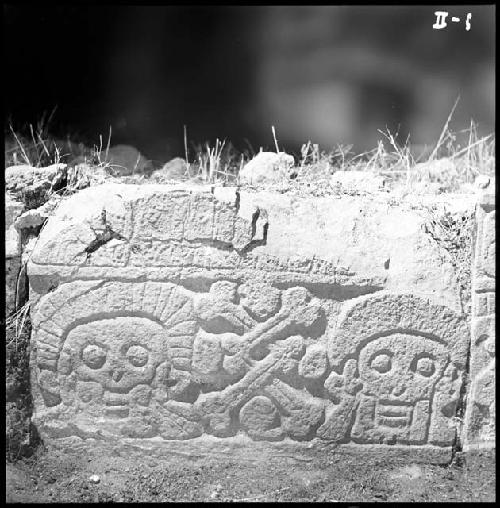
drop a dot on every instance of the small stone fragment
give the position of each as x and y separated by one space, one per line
175 169
267 167
125 160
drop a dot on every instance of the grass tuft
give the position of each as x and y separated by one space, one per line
455 160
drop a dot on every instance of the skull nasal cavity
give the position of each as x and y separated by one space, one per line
117 375
399 389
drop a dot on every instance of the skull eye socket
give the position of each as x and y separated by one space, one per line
137 356
425 366
94 356
381 362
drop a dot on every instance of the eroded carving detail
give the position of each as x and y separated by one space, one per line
480 417
397 371
154 359
483 395
178 228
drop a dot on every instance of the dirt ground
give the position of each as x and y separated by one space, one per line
120 476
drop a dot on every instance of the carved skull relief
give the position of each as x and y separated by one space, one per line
399 373
113 362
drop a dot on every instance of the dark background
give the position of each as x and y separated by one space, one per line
327 73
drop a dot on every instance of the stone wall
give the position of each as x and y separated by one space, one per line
197 314
13 209
479 429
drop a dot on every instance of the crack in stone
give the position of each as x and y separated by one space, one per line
102 239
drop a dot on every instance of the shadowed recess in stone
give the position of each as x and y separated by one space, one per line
338 292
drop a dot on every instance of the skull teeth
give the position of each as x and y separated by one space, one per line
394 415
117 411
394 411
115 399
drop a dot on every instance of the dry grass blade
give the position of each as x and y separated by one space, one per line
109 142
97 151
43 144
188 166
35 144
21 147
379 151
444 132
468 150
210 161
304 151
17 321
275 140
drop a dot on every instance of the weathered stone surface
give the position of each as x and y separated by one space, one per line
186 231
398 365
13 209
480 417
185 312
12 269
34 186
36 217
267 167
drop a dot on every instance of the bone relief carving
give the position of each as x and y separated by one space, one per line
160 360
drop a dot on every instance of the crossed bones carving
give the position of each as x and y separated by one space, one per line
296 315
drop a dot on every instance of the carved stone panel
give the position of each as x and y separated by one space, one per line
164 316
154 359
397 368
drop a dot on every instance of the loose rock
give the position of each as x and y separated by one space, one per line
125 160
267 167
175 169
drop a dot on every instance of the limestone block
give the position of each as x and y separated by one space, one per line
12 243
13 209
480 417
185 313
34 185
12 269
34 218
